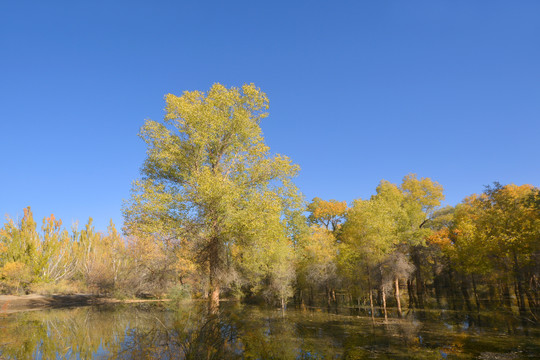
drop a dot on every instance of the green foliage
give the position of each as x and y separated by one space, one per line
210 179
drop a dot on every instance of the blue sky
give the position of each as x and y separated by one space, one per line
359 91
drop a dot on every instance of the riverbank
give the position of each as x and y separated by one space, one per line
13 303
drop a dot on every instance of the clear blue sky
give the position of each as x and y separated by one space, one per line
359 91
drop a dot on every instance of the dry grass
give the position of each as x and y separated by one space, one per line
60 288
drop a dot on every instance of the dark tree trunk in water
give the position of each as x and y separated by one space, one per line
507 300
419 281
453 295
466 297
410 292
302 303
533 307
437 286
475 293
492 296
419 289
328 297
520 299
520 295
534 288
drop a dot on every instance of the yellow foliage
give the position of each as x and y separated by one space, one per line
328 213
16 273
441 238
14 270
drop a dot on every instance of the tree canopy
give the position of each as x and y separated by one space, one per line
209 178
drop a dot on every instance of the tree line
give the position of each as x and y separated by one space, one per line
215 214
52 259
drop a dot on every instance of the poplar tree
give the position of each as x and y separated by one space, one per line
210 179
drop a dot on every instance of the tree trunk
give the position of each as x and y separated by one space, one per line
453 295
214 299
475 292
520 299
410 292
519 288
437 286
384 305
398 300
419 289
466 297
302 303
507 300
370 295
214 264
533 307
371 305
418 275
328 297
492 295
533 284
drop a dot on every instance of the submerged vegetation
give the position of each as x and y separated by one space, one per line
216 215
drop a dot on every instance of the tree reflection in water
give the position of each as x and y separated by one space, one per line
188 331
193 334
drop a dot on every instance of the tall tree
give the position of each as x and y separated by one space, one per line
371 231
210 178
421 198
317 254
501 226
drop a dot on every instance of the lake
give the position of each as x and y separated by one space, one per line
187 331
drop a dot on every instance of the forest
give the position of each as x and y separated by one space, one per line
217 215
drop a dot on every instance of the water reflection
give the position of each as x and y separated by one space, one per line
150 331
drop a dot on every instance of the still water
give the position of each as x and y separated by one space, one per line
187 331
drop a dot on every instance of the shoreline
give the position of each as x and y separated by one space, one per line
10 304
